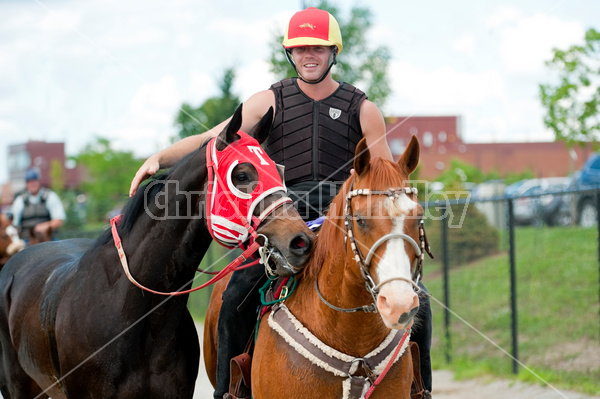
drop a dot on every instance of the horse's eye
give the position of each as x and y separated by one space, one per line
360 221
242 177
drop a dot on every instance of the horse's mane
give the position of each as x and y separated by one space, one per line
381 175
134 207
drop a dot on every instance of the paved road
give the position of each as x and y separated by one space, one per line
447 388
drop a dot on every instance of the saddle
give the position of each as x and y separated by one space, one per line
241 366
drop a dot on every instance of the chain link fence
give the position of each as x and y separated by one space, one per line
516 286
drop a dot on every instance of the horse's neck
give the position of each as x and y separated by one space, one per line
169 249
355 333
165 245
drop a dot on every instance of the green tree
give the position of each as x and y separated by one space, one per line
191 121
359 64
57 177
109 173
573 105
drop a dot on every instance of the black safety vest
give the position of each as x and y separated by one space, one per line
34 214
315 140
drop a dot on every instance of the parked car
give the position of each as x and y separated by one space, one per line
584 207
532 207
555 208
525 209
494 211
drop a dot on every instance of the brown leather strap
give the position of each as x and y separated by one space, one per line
417 389
239 382
240 371
281 316
357 385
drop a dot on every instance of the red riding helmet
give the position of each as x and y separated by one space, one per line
312 27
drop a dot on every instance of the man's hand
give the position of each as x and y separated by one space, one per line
148 168
43 228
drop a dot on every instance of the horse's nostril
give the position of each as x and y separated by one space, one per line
406 317
300 244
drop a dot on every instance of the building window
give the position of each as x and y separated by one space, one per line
18 161
427 139
442 136
397 146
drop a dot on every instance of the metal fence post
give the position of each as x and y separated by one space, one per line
598 227
445 263
513 288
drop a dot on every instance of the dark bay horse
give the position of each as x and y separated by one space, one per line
73 326
356 300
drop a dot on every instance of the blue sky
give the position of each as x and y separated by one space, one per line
71 70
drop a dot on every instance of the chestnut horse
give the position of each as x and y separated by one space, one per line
5 241
37 237
10 244
350 315
73 326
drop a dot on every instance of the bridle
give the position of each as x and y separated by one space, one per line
249 246
364 263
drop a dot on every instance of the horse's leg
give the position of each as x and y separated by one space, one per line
15 383
211 335
237 320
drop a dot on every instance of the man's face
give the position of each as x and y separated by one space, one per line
33 186
312 61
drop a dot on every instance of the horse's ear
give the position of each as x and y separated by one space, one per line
362 157
230 133
410 158
261 130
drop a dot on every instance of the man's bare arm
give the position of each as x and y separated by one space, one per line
253 109
373 127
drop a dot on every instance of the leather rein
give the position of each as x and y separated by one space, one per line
248 250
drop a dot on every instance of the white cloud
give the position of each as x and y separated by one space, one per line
465 44
198 87
503 16
252 78
154 104
528 43
445 87
59 20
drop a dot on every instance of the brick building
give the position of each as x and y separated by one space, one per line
440 139
42 155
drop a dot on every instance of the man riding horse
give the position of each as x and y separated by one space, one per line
317 125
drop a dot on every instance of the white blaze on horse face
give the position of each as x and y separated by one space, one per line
396 298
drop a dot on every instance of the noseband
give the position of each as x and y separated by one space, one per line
365 263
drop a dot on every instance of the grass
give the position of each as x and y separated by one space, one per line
558 311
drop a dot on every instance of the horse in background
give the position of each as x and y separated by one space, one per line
37 237
5 240
72 325
10 243
351 313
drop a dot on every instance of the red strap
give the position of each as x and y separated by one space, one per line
113 228
388 366
250 249
235 265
